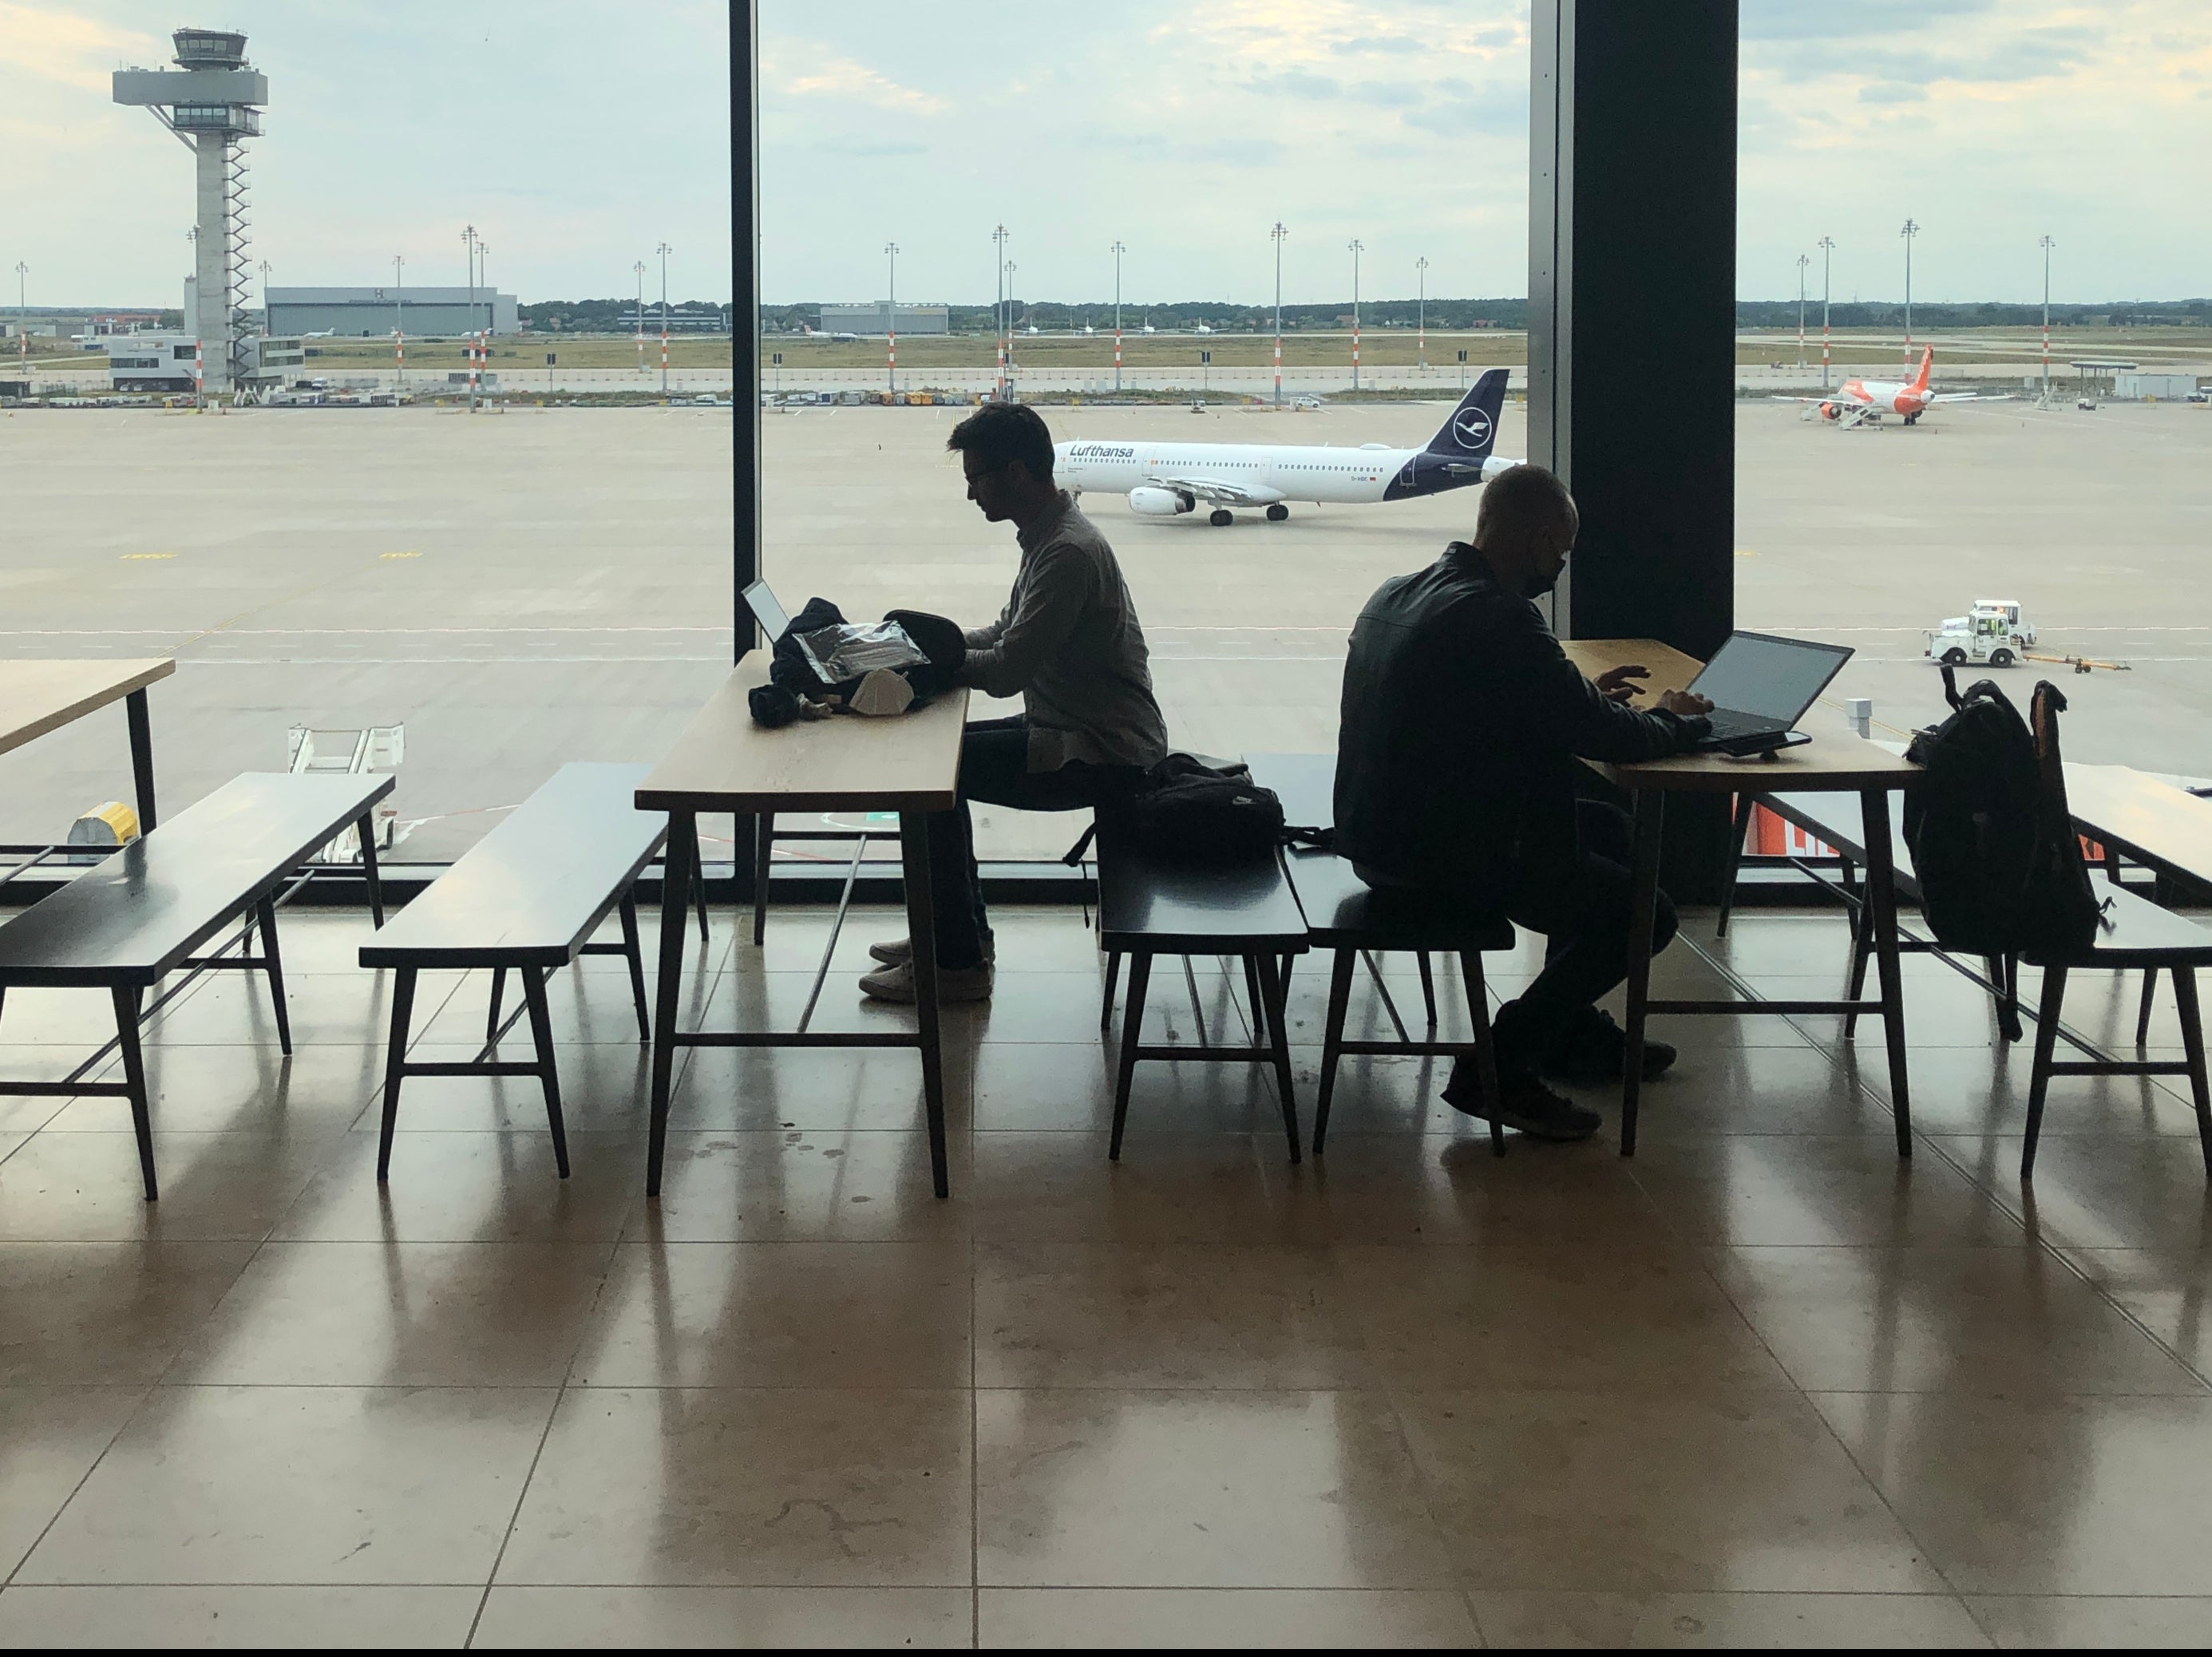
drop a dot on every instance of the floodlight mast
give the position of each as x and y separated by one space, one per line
2047 245
1355 247
639 269
212 102
1827 245
890 315
1117 251
23 317
999 306
1803 260
664 250
1421 322
1276 236
1910 231
399 315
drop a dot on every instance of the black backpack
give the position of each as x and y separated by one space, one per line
2000 866
1187 811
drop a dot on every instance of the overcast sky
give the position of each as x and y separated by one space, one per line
577 136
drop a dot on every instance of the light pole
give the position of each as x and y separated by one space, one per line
1355 247
24 316
199 345
1009 320
1910 231
639 268
2047 245
469 243
264 268
1276 236
664 250
398 310
1803 260
1118 250
1827 244
999 306
891 249
1421 338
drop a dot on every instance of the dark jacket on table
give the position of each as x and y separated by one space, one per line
1462 719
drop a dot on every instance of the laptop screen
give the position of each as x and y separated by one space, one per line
766 611
1767 677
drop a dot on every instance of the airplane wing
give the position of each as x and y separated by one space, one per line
1972 397
1220 491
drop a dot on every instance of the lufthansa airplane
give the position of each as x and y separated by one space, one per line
1164 479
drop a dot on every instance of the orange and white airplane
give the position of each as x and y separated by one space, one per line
1864 402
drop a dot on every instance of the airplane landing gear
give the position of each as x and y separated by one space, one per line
1912 420
1221 518
1277 512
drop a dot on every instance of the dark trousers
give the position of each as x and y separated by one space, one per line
1581 906
994 769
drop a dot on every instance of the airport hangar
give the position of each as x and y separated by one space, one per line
877 318
373 313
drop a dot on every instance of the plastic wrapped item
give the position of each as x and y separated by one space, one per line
852 650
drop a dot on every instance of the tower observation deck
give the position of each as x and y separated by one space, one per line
212 102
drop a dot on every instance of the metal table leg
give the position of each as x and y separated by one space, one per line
921 928
1881 916
141 756
1643 904
676 859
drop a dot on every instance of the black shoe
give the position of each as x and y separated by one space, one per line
1527 1106
1592 1054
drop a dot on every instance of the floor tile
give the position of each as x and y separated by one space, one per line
1041 1087
720 1619
830 1315
1663 1621
78 1018
1756 1188
1063 1007
2089 1194
28 1113
800 1185
471 1187
87 1186
334 1486
399 1314
1447 1192
1716 1090
763 1488
1645 1492
50 1436
2092 1494
1166 1189
2083 1621
238 1089
727 1089
1179 1315
605 1087
1983 1091
1222 1618
1098 1489
2167 1291
106 1313
235 1008
232 1617
1997 1320
584 1008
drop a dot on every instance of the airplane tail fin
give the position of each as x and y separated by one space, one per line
1926 361
1473 428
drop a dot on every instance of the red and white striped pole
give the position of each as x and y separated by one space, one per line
1355 354
1117 356
892 357
663 350
1279 370
199 375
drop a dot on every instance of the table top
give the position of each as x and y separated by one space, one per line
1835 758
2155 821
38 696
725 762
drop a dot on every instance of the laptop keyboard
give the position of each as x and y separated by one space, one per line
1726 726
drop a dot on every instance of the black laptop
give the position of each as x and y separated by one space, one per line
1760 686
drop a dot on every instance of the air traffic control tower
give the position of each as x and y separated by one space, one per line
212 102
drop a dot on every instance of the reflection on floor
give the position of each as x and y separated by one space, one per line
1762 1384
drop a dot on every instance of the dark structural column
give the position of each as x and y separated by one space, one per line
745 345
1632 328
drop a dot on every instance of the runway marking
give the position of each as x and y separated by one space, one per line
129 556
399 554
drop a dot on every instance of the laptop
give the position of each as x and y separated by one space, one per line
1760 686
768 609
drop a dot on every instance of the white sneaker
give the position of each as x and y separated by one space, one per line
899 950
953 983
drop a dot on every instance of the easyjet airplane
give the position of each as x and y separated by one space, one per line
1164 479
1864 402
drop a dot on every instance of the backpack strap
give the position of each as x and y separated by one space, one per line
1073 857
1950 686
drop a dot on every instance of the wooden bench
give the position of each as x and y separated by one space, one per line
528 896
1248 910
147 910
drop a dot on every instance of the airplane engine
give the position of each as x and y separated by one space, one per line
1154 502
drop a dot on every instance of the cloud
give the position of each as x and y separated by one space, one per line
60 43
844 77
1892 92
1843 19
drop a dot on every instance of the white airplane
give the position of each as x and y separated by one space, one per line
1165 479
1864 402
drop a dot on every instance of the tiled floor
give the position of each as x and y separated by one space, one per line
1761 1384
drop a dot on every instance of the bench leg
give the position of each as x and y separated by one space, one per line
635 955
549 1074
1881 915
763 852
134 1078
1862 952
266 911
2192 1041
395 1057
2149 1002
1486 1050
699 881
367 829
139 719
1125 1065
1428 990
2038 1085
498 996
668 987
1332 1038
1278 1043
921 929
1745 804
1113 979
1258 999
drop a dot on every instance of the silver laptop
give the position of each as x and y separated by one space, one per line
1760 686
768 609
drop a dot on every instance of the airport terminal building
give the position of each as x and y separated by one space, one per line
877 318
373 313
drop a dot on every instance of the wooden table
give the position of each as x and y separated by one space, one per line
1834 761
725 762
38 696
